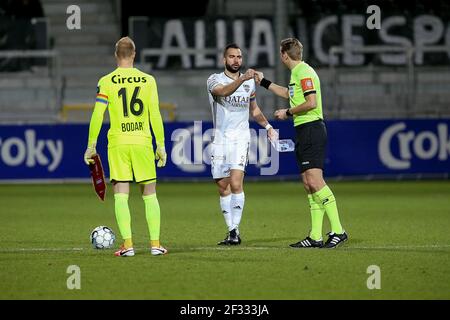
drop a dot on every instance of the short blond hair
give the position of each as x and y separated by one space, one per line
293 47
125 48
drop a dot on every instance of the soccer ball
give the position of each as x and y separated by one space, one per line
102 237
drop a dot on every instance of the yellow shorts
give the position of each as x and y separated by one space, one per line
132 163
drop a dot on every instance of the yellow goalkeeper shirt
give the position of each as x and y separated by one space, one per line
131 98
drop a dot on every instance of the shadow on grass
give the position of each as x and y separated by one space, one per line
225 258
268 240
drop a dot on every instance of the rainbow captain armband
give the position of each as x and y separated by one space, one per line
101 98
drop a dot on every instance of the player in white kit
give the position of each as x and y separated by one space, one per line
232 97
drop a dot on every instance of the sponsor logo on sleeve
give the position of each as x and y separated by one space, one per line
307 84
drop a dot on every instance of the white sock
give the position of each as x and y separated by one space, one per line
237 206
225 205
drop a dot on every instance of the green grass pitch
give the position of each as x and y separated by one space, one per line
402 227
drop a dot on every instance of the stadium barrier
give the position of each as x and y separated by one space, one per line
363 149
46 103
391 88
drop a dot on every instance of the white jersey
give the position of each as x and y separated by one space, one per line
231 113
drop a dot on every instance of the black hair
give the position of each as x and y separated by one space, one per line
230 46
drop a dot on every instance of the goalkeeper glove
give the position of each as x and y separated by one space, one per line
89 153
161 156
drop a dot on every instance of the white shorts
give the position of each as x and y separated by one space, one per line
226 157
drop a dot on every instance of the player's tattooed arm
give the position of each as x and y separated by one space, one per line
228 89
259 117
257 114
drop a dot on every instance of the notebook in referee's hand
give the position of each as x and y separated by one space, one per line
98 177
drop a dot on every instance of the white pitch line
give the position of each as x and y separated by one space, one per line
234 248
433 246
340 248
39 249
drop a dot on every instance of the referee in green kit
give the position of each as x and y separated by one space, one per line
310 143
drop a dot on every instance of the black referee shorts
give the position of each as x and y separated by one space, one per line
310 145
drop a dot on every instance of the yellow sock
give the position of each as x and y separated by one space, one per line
128 243
154 243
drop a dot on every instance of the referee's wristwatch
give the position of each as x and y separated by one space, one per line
288 113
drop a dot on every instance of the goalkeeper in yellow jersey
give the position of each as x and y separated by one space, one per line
131 98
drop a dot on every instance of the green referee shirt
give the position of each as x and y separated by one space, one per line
304 81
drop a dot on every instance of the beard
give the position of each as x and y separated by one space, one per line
232 69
